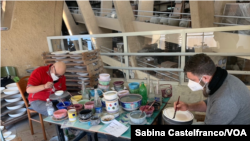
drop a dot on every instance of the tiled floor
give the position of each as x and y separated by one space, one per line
22 130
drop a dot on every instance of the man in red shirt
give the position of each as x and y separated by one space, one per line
41 82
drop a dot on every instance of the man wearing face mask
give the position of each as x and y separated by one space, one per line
44 81
227 97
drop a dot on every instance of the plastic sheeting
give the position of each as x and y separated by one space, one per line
237 9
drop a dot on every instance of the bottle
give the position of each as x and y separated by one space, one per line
143 93
50 108
151 95
158 94
97 104
85 94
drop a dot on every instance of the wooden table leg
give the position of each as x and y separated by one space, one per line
60 133
159 119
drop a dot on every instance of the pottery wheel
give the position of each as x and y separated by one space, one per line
55 97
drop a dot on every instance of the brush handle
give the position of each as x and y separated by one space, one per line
176 107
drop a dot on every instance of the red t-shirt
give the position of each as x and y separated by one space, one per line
41 76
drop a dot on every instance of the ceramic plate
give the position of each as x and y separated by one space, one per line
82 74
2 88
80 67
17 113
75 57
78 52
12 88
11 137
78 62
55 57
9 92
131 123
83 78
11 85
6 134
60 52
181 116
13 98
16 105
80 82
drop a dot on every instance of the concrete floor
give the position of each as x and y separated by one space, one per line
22 130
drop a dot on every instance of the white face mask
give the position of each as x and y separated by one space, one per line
54 77
194 86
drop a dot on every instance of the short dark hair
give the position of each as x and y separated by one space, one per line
200 64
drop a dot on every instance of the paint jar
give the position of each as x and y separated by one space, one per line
72 115
112 106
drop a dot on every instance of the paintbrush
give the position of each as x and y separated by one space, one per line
176 107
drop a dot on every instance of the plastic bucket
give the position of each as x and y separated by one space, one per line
61 106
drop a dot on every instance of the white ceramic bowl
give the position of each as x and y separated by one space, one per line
11 85
13 98
110 95
104 76
1 89
12 88
59 93
134 117
16 105
8 91
17 113
110 118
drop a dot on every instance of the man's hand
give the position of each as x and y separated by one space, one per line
49 85
181 106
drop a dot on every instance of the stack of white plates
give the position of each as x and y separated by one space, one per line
13 98
7 136
17 113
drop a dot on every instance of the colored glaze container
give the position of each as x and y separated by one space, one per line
72 115
112 106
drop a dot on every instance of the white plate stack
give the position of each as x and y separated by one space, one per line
14 102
